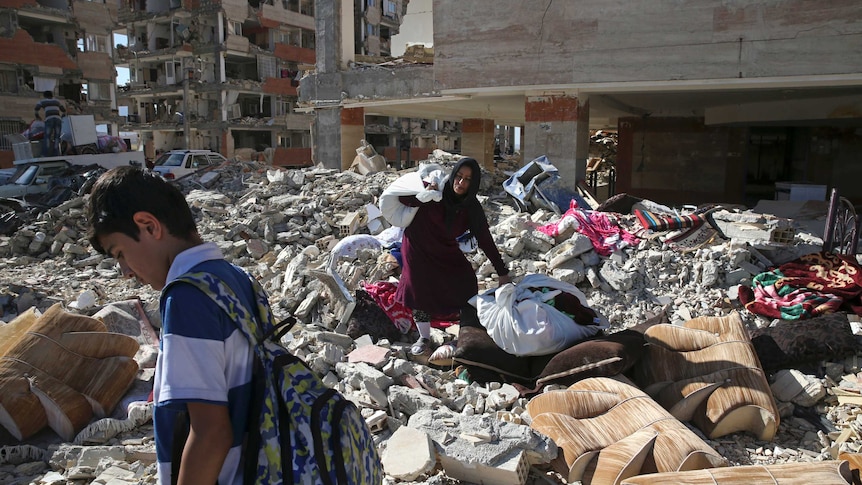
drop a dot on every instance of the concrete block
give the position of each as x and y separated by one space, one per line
409 454
356 374
377 421
751 268
538 241
513 471
788 384
591 258
736 276
618 278
377 394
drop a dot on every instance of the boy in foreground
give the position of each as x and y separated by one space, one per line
204 366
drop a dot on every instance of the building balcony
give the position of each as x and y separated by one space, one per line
44 15
391 21
165 53
151 88
287 52
128 16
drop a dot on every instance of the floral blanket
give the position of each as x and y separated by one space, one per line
812 285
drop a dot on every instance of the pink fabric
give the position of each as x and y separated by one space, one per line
443 323
605 235
383 294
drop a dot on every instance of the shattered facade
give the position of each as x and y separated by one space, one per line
375 22
64 47
236 62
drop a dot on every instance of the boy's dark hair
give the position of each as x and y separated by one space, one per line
121 192
48 94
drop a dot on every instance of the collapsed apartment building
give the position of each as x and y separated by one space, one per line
711 101
238 63
235 62
61 46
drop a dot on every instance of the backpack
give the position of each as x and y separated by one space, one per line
299 431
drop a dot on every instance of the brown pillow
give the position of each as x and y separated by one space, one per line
485 360
605 356
788 344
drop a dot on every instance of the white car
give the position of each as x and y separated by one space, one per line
179 163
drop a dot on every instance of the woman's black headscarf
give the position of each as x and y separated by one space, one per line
455 203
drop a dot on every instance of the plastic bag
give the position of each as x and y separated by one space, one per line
521 321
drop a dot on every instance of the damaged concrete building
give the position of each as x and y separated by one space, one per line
711 101
61 46
236 62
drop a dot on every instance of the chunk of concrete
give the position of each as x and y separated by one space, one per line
409 454
372 355
513 471
798 388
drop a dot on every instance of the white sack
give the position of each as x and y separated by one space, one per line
521 323
411 183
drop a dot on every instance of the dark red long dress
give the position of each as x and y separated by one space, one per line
436 276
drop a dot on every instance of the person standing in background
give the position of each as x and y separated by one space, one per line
54 110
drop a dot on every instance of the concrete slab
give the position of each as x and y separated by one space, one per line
370 354
409 454
513 471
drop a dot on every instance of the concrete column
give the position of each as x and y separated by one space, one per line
477 140
558 127
326 137
327 23
352 132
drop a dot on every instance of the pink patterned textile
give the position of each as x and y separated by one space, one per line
605 235
383 294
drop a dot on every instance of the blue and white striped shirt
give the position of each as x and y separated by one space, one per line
203 357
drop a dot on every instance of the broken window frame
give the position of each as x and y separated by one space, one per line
390 9
8 23
9 126
93 43
9 81
282 106
98 43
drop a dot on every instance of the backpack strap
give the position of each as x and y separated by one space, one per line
258 327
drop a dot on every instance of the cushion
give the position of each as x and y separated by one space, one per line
655 221
485 360
596 357
788 344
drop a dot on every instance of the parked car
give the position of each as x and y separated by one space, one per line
32 178
179 163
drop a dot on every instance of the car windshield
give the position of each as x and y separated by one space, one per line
27 177
170 160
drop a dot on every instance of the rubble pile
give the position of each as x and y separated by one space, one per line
281 226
